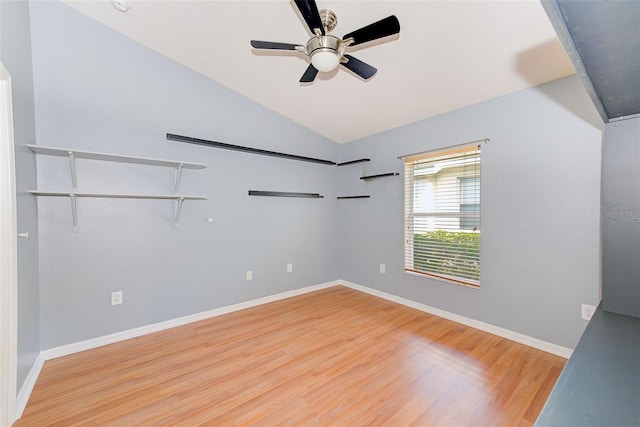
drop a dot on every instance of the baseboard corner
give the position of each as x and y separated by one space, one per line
546 346
27 386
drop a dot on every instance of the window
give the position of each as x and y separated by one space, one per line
442 214
470 202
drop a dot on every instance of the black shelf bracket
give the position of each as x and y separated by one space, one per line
353 161
225 146
382 175
353 197
284 194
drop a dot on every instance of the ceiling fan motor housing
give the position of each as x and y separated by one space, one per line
324 43
325 52
327 43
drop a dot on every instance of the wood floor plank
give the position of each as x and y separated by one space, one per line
332 357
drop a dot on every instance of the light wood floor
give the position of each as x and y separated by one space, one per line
333 357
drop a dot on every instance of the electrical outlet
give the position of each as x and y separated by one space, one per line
587 311
116 298
249 275
289 268
383 268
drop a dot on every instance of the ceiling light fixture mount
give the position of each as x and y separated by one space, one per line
329 19
120 5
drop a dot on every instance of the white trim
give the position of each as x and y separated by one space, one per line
492 329
8 256
64 350
143 330
28 385
458 282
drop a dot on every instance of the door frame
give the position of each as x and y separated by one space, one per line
8 256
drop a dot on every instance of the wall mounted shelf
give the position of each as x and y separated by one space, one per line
351 162
74 195
116 195
284 194
74 154
225 146
353 197
382 175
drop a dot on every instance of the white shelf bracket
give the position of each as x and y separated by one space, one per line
74 210
179 201
72 164
73 154
178 174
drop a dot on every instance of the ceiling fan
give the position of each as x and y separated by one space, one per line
327 51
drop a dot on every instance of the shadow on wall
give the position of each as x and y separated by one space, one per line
540 62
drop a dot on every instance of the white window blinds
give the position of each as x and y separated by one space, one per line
442 214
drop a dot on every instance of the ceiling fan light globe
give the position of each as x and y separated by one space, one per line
325 60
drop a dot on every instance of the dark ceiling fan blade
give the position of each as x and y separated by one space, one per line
273 45
362 69
385 27
309 75
311 15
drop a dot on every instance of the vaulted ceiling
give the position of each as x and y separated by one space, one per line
448 55
602 39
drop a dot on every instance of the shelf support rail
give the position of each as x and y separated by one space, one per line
72 165
178 174
74 210
179 201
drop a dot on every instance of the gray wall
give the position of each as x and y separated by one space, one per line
540 248
621 218
98 90
15 54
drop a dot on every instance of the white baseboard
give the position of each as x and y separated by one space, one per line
136 332
492 329
64 350
27 386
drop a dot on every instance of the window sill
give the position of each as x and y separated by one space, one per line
458 282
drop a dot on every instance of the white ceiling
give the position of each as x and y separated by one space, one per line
449 54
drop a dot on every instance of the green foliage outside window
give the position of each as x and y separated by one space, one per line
450 253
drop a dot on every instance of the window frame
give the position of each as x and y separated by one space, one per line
476 187
410 214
